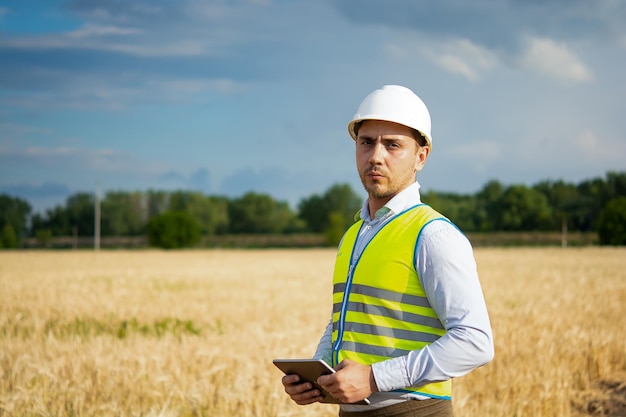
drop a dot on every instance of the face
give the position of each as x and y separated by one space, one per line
387 158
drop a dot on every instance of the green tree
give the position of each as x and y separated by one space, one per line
522 209
612 223
80 209
336 229
586 210
314 212
157 202
488 199
173 230
8 238
55 219
210 212
342 199
460 209
44 237
260 214
14 215
339 199
615 184
123 214
562 197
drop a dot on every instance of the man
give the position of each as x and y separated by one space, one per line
408 310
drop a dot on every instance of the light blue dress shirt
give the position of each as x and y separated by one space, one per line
446 267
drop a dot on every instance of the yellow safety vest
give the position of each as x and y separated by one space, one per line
380 310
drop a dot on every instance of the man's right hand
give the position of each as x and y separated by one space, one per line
301 393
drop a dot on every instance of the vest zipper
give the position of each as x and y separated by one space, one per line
342 315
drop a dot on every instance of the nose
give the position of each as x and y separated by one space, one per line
377 153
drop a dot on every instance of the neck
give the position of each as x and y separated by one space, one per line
375 204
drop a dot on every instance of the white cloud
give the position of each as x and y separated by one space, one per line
554 59
593 148
84 39
39 152
188 86
183 47
147 9
456 65
462 57
91 30
99 91
579 152
104 160
15 130
472 61
212 11
220 11
587 141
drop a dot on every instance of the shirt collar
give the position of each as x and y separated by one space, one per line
405 199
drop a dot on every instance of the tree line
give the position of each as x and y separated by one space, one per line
180 218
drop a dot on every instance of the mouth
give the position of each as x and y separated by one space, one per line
375 175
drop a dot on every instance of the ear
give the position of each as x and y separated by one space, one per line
421 157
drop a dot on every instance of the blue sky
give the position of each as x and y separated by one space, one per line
226 97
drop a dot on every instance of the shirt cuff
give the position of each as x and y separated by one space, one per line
391 374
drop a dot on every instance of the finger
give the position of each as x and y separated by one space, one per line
294 389
326 380
307 397
290 379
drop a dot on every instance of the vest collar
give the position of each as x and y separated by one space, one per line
405 199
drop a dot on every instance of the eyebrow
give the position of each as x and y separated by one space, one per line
386 137
419 138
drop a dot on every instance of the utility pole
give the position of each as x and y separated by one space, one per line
96 242
564 231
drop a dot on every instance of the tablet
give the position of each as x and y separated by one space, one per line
309 370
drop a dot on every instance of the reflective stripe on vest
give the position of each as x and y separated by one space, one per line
380 310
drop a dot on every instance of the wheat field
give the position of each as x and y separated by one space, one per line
193 333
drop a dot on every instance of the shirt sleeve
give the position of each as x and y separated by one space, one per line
325 347
447 269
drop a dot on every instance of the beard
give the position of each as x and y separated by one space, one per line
376 190
387 186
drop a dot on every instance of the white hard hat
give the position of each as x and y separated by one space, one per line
394 103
